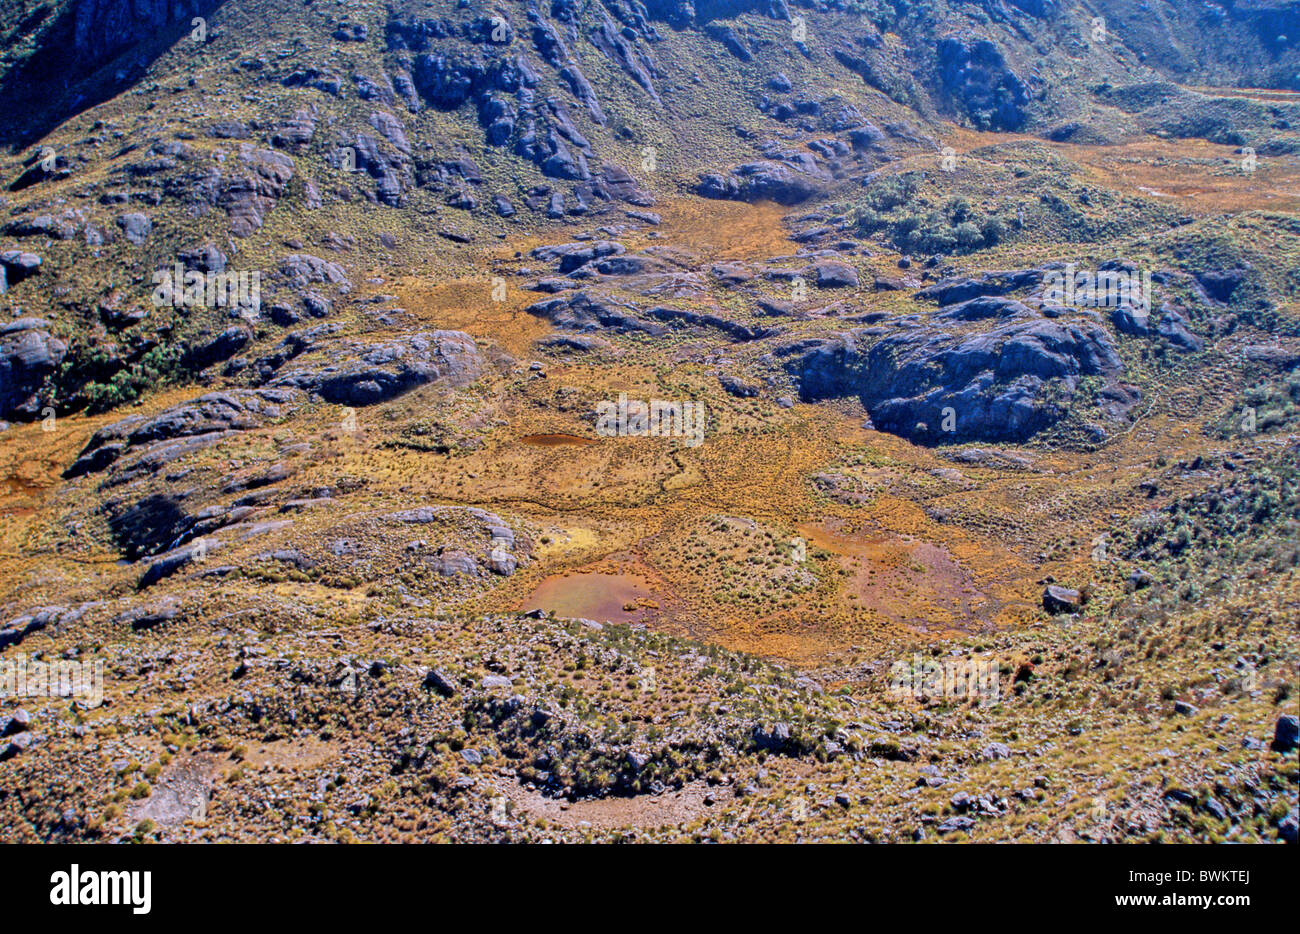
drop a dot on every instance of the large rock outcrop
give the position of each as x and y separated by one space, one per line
764 181
179 429
28 355
363 374
928 384
978 81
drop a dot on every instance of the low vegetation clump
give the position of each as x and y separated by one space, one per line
895 208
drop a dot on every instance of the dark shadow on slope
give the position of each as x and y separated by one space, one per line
681 15
148 526
89 53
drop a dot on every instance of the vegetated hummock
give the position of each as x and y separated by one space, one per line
361 561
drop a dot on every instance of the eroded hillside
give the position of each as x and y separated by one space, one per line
968 341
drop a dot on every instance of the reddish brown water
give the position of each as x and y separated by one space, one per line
591 595
554 440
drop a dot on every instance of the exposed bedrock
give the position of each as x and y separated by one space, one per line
930 385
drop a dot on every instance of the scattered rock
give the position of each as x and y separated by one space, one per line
135 227
435 680
1057 599
1286 733
995 751
953 824
151 616
835 275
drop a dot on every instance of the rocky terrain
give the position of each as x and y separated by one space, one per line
323 330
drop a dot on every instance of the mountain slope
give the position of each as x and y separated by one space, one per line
975 327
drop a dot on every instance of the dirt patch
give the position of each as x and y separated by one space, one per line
180 794
723 230
903 580
643 811
305 753
469 305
